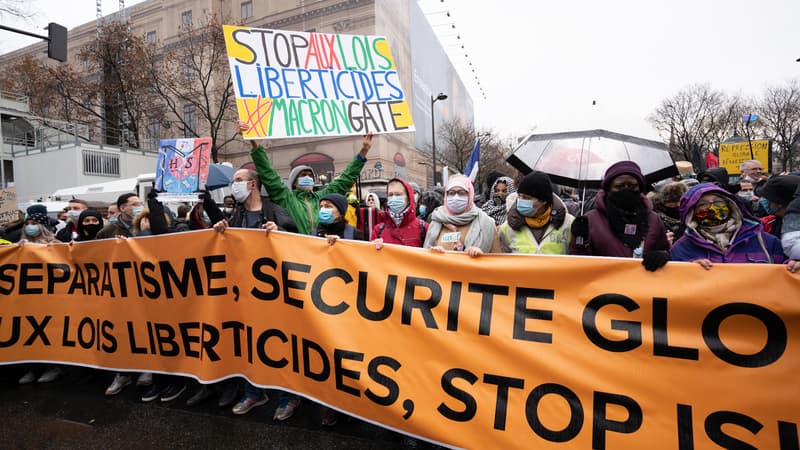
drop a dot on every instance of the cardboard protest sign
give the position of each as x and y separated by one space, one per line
8 205
734 154
499 352
182 166
297 84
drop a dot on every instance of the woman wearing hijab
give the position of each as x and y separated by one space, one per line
538 222
459 224
720 229
495 207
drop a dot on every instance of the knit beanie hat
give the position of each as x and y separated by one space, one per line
295 172
39 217
780 189
339 201
36 208
537 184
623 168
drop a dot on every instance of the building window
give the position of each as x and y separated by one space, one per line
154 130
189 120
187 68
100 163
151 37
186 19
247 9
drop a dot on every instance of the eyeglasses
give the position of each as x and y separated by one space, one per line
457 193
715 203
756 169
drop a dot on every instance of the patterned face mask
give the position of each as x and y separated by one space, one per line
716 214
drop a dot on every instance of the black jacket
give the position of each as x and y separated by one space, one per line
270 212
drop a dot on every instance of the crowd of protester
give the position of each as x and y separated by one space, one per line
702 218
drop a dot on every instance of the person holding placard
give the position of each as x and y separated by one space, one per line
299 197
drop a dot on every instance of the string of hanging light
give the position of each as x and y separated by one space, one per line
444 26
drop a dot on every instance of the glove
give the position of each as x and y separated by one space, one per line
580 230
152 195
654 260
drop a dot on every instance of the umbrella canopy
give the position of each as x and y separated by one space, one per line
219 176
579 159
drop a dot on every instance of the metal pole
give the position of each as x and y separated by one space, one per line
2 156
433 141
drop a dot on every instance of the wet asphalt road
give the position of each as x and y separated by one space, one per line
73 412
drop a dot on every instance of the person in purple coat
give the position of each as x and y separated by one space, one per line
720 229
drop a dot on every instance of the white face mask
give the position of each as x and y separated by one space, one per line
457 204
239 191
74 214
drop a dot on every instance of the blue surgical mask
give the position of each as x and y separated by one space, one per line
396 204
422 210
765 204
325 216
32 229
113 220
525 207
305 182
137 210
457 204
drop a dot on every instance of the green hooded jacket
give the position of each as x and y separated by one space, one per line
302 206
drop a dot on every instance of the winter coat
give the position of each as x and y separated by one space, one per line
603 242
302 206
515 236
746 246
411 230
270 212
342 229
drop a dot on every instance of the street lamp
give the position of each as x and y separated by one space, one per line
441 96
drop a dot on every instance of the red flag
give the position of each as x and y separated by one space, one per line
711 160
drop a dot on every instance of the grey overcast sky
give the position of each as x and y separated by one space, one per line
543 63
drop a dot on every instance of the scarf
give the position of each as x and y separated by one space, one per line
398 217
496 208
541 220
720 235
630 227
481 230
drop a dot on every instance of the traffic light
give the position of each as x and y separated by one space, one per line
57 42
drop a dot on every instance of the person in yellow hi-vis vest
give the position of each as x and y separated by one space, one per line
538 222
352 205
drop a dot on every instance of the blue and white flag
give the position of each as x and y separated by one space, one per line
748 118
474 161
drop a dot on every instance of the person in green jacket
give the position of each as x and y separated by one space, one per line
299 197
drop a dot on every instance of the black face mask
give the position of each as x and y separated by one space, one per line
673 212
91 230
626 199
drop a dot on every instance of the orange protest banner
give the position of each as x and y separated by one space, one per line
503 351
